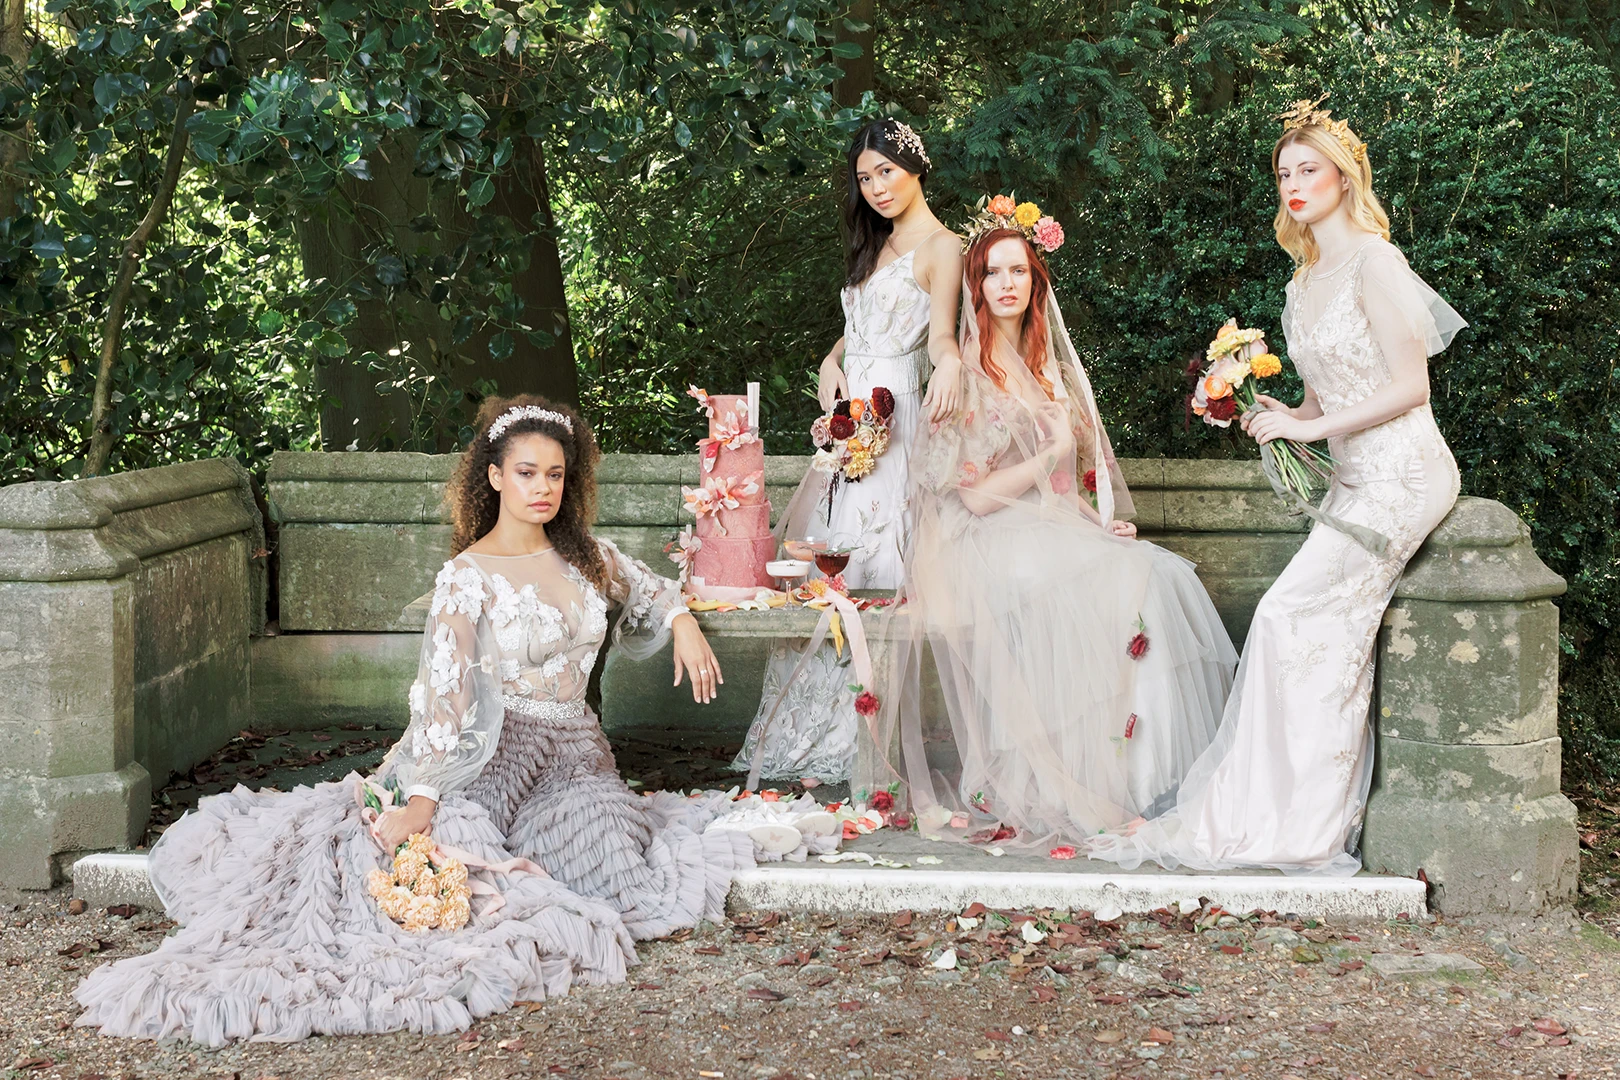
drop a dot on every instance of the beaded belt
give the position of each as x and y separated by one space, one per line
543 709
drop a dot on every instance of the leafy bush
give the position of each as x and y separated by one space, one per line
1495 160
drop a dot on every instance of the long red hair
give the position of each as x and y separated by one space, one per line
1032 331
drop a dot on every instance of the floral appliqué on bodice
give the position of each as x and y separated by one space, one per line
1340 360
886 316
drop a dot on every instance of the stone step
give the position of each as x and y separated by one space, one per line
120 878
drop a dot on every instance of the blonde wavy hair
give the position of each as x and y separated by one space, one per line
1366 212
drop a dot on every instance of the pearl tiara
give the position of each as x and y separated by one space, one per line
526 412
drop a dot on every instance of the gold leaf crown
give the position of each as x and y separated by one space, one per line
1004 212
1306 114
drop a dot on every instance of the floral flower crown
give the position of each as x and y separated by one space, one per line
1306 114
526 412
909 140
1002 212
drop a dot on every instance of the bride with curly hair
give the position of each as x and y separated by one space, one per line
503 766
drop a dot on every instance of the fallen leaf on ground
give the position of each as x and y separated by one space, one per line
901 920
124 911
1109 1036
1232 950
1548 1026
707 950
989 1053
975 910
765 993
1158 1035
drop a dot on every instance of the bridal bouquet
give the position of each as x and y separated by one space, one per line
1226 390
850 438
423 890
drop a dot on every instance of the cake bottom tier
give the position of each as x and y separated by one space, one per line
736 562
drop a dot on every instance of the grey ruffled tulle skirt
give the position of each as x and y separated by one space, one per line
280 938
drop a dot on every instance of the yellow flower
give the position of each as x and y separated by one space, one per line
1264 366
1027 214
860 463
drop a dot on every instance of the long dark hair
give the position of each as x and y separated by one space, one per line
474 505
865 229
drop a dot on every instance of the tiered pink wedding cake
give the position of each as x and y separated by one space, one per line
726 558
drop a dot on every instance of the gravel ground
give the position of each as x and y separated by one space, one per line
827 998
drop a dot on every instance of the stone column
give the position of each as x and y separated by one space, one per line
1466 781
68 778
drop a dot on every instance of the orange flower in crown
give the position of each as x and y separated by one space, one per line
1005 212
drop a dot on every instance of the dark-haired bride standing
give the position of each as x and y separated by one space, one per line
902 288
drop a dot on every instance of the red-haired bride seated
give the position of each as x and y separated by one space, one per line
1083 670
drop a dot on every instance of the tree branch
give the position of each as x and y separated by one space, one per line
101 433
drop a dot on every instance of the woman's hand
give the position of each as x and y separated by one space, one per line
944 390
692 654
396 826
1268 403
1122 528
1282 424
832 385
1057 443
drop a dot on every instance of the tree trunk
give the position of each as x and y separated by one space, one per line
101 432
377 212
13 144
860 74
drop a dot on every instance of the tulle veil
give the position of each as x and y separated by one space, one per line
1005 686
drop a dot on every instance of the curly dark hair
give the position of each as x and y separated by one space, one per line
475 505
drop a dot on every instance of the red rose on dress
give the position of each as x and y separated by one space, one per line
1223 408
1090 480
841 426
1130 726
882 802
882 402
1138 647
867 703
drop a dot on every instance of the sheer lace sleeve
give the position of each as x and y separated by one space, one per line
965 448
456 706
648 603
1401 308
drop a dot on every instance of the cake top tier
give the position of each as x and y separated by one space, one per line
732 420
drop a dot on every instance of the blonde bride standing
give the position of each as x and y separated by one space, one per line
1285 782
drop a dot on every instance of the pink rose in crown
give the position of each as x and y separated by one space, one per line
1048 234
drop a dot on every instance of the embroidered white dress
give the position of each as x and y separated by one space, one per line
1285 782
885 344
280 938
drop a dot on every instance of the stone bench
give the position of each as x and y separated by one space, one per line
150 584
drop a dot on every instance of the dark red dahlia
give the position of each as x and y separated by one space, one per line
1222 408
841 426
882 802
1091 480
882 402
1138 647
841 407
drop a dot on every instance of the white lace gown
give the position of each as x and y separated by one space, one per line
279 936
885 344
1285 782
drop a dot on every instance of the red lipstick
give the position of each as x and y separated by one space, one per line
1296 205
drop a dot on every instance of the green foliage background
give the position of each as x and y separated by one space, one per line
692 159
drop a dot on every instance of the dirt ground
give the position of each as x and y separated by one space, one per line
828 998
817 997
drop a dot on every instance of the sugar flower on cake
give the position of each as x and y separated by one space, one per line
681 550
718 493
730 430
